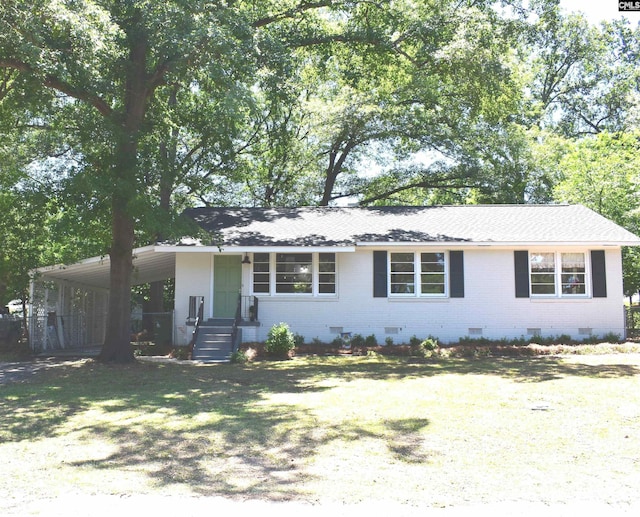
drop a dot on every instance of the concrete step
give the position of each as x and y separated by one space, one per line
216 355
213 343
212 357
218 322
213 338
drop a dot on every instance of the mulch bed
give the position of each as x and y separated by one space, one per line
459 350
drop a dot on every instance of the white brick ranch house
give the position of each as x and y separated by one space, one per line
495 271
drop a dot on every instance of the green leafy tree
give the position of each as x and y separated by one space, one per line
584 78
417 78
110 62
603 173
418 112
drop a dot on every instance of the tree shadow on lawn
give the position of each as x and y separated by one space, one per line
207 429
213 428
269 459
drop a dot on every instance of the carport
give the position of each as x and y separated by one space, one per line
68 303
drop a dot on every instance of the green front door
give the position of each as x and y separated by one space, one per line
227 280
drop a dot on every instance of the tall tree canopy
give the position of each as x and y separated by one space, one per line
603 173
109 63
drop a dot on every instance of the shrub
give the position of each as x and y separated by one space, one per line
371 340
414 341
181 353
388 341
430 344
239 357
338 342
280 341
592 339
424 348
298 339
357 341
611 337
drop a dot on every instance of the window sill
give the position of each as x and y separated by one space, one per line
297 297
416 299
559 299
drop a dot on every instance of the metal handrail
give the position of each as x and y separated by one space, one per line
194 335
255 308
236 322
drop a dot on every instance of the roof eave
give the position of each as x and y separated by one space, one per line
499 244
256 249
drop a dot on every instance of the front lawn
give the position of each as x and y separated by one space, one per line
350 429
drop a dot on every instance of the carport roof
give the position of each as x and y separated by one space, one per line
149 266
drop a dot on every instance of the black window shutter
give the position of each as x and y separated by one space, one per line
456 277
521 261
598 274
379 274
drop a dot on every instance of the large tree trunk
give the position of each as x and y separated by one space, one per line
117 343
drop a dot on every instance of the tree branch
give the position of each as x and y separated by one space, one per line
418 184
157 78
291 13
53 82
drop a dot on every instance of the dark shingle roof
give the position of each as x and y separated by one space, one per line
336 226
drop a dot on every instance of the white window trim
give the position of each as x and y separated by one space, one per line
557 274
417 279
315 280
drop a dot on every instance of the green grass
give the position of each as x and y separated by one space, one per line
349 429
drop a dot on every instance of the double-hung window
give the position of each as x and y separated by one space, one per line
543 273
432 274
326 273
557 274
572 279
294 273
403 273
418 274
261 276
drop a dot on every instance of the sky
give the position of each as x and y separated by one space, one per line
599 10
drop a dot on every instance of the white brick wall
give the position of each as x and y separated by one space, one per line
489 307
193 278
